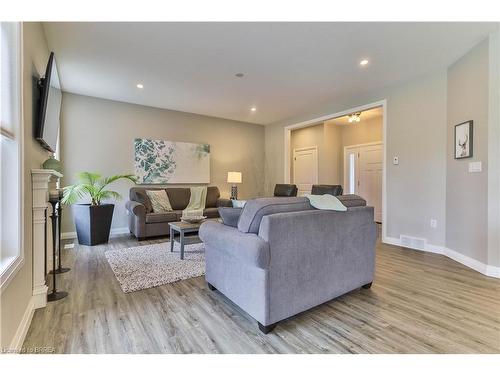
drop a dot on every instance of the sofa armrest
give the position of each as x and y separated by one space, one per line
223 202
247 247
136 208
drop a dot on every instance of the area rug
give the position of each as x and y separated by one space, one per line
148 266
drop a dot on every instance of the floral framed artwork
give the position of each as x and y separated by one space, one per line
464 140
162 162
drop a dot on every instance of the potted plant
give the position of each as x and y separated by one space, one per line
93 220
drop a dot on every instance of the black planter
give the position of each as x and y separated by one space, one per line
93 223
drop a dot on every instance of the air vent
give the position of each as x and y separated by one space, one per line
413 242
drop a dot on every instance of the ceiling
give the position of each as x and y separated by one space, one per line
290 69
370 114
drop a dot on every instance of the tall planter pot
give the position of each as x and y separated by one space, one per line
93 223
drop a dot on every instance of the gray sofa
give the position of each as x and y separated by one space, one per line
144 223
285 257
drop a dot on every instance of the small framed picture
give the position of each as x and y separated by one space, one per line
463 140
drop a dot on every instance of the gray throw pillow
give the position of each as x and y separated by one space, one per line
230 216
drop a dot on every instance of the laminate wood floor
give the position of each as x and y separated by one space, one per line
419 303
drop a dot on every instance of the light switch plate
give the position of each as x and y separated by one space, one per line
475 166
395 161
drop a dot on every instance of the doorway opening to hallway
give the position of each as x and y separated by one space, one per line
346 148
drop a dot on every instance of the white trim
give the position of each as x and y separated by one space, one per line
113 232
8 273
17 341
344 180
485 269
381 103
315 148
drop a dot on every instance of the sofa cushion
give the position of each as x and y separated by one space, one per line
211 212
139 195
179 197
161 217
256 209
351 200
230 215
212 195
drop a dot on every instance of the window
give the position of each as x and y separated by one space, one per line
11 136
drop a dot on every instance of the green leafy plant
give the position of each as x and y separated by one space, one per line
93 185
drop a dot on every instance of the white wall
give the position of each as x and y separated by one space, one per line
416 132
419 123
15 298
467 193
98 135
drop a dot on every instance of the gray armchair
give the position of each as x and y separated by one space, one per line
285 257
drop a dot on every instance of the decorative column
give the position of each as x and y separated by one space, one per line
42 180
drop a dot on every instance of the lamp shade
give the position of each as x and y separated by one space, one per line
234 177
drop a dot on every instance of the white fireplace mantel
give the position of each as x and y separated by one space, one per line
42 181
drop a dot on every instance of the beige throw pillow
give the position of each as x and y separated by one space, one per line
159 200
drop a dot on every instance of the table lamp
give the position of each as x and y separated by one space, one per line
234 178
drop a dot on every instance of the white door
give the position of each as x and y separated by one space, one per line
305 169
363 170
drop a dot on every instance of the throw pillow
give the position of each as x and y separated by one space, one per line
238 203
326 202
230 216
159 200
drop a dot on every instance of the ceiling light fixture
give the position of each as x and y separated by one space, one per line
364 62
354 117
239 75
253 109
140 86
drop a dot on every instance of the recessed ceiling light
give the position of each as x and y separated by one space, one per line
253 109
363 62
140 86
239 75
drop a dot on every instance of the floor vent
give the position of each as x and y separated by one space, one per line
413 242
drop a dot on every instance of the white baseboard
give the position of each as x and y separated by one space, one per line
467 261
18 339
114 232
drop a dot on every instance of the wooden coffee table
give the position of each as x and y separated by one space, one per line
178 231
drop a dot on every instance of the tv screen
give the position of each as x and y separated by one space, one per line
49 107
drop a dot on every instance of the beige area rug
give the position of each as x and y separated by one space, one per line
148 266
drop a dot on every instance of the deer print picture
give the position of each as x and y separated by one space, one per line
463 140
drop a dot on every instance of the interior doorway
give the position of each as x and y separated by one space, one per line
305 169
363 169
369 167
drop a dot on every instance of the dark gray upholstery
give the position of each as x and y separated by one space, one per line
351 200
178 197
327 189
211 212
295 261
285 190
160 217
230 215
143 222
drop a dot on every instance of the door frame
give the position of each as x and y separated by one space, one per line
344 180
287 135
315 148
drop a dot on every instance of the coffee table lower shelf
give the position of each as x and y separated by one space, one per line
184 234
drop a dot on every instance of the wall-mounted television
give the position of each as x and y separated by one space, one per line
49 107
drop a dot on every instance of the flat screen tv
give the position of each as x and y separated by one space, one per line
49 107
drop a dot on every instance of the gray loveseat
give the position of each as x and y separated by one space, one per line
144 223
285 257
